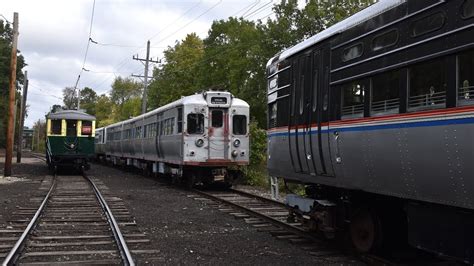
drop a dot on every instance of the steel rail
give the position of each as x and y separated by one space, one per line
121 244
271 201
297 231
12 257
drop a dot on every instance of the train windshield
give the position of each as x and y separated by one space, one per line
56 127
239 125
195 124
217 116
86 128
71 127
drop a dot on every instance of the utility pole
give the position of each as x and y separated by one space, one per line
22 119
11 106
145 76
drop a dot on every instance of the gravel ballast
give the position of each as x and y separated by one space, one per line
182 230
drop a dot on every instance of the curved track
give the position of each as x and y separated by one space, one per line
73 224
271 216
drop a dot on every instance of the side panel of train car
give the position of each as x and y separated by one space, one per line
377 112
196 137
69 138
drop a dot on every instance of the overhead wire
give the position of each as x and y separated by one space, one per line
246 9
87 47
5 19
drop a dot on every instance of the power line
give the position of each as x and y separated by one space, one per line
187 11
258 10
196 18
5 19
85 55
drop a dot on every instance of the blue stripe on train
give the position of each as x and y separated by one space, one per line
457 121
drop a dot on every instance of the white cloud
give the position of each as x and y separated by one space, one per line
53 37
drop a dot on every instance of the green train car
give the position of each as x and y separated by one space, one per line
69 139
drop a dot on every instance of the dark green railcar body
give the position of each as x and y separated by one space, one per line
70 139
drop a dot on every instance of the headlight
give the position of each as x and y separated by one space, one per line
237 143
199 142
234 153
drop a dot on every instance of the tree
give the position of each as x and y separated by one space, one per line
104 111
6 38
88 100
56 108
126 98
70 98
123 89
233 62
178 76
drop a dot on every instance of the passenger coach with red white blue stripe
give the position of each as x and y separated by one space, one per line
375 115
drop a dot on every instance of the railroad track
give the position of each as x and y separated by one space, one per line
271 216
75 223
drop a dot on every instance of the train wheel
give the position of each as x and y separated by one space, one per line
365 231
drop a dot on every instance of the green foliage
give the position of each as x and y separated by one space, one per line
5 60
178 76
70 98
255 174
39 136
104 111
88 100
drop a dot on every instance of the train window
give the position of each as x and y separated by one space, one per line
385 40
427 85
56 127
385 93
301 94
353 99
468 9
180 120
239 125
86 128
315 90
171 125
195 123
217 118
138 132
352 52
466 78
428 24
272 117
71 127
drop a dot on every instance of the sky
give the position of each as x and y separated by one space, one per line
54 35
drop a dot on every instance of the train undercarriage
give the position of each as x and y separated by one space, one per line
371 223
187 176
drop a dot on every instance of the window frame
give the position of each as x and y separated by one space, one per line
199 118
244 125
343 57
412 25
382 34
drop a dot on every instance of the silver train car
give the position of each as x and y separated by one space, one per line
200 138
375 115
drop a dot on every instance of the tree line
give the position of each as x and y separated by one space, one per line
232 57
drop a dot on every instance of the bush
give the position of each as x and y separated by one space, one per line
255 174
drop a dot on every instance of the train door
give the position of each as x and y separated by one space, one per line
218 134
298 124
307 130
319 109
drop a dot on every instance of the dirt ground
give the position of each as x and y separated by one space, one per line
183 230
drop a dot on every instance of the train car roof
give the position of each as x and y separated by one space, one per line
374 10
71 114
197 98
